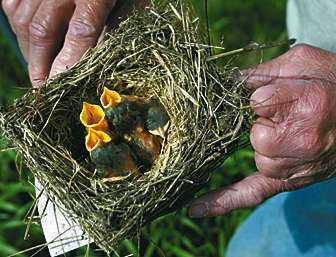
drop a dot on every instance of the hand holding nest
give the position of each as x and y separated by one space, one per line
54 35
294 136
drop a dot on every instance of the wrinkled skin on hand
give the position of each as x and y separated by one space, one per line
294 137
54 35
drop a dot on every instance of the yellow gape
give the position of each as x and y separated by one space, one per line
95 139
110 98
93 116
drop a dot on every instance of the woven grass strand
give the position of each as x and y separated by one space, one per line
158 54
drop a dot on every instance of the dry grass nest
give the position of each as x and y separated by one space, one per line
160 55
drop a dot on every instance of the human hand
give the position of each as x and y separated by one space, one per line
294 136
54 35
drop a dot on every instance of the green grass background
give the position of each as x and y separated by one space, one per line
233 23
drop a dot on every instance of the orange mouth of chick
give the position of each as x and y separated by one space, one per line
95 139
110 98
93 116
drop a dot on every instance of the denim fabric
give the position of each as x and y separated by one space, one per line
295 224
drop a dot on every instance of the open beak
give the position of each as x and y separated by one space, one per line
110 98
93 116
95 139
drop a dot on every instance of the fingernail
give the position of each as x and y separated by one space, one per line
37 83
248 83
199 210
54 73
262 96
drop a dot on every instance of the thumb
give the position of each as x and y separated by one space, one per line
249 192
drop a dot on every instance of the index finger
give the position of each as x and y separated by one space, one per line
277 101
295 64
85 27
45 37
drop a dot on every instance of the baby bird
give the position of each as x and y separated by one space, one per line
113 161
147 147
139 123
157 120
123 112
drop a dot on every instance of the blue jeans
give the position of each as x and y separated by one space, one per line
295 224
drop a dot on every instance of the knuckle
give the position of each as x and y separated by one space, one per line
257 190
8 5
83 30
310 55
104 5
87 25
264 188
20 24
39 31
302 49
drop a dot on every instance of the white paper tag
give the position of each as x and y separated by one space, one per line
61 232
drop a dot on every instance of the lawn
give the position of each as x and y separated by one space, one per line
233 24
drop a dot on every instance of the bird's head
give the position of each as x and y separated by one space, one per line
158 121
96 139
110 98
93 116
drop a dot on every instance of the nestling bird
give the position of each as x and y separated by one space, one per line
128 112
112 160
141 124
157 119
123 112
93 116
147 147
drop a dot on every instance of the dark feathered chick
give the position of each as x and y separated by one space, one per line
123 112
126 116
129 115
113 161
146 147
157 119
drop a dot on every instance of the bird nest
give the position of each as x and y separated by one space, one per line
158 55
